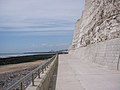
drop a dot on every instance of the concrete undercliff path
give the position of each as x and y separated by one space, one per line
76 75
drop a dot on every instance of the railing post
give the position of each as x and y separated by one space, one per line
42 69
33 79
21 86
38 73
45 67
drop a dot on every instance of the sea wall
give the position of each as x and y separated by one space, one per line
104 53
97 34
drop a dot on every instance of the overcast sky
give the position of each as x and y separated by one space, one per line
37 25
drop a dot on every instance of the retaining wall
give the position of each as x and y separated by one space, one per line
104 53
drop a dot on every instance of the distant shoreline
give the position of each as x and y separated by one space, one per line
26 58
7 55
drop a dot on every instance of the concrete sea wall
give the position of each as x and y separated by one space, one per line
104 53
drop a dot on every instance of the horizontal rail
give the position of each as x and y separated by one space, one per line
32 75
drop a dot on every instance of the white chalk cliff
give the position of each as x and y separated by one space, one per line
97 34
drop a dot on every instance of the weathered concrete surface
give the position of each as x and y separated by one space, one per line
105 53
76 75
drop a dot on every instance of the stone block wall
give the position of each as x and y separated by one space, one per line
104 53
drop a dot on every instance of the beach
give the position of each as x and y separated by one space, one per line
9 74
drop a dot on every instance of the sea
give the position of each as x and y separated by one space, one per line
6 55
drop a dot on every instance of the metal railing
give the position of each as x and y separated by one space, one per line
20 84
49 80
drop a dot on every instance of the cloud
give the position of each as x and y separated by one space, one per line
24 15
46 8
49 47
43 27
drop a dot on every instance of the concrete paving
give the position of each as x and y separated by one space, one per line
76 75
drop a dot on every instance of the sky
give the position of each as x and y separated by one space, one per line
37 25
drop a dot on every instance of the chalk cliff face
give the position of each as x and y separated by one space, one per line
97 35
100 21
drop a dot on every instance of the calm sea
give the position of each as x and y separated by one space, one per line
13 55
5 55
